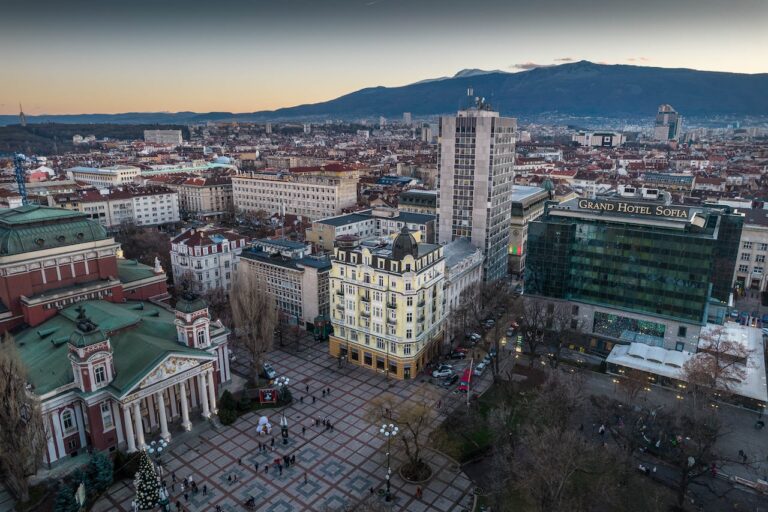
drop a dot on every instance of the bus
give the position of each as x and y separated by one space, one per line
466 379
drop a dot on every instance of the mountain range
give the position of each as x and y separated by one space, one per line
578 90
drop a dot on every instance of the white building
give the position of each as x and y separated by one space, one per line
314 194
210 255
599 139
143 206
171 137
463 271
753 249
112 176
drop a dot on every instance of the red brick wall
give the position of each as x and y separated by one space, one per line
101 440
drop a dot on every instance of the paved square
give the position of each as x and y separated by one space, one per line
334 469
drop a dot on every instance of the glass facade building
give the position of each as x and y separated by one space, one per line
642 257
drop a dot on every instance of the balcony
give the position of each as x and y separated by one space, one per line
421 304
421 319
365 314
340 306
392 321
340 292
392 305
365 298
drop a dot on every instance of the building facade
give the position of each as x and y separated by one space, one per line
463 272
751 273
387 303
112 176
418 201
142 206
376 222
314 194
668 125
208 258
475 175
635 270
527 205
165 137
298 281
599 139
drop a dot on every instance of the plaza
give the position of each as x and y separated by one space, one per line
341 466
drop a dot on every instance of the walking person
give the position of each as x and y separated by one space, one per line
303 430
306 388
205 489
328 391
418 493
256 467
305 478
313 399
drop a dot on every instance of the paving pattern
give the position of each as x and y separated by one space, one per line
334 470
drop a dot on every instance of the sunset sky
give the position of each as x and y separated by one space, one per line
108 56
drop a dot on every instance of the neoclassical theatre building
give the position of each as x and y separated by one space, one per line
112 364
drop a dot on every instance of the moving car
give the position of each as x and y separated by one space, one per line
450 381
479 369
458 354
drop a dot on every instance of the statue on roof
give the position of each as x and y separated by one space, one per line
158 267
84 324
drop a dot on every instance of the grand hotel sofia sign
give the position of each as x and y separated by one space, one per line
655 210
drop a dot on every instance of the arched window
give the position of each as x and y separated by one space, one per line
201 337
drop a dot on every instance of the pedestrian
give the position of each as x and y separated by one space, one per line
305 478
741 454
313 399
178 506
173 476
331 424
293 459
439 403
182 486
256 467
280 469
581 427
601 430
194 488
323 393
239 462
186 482
205 489
173 486
273 442
301 399
266 469
418 493
303 430
191 480
306 388
328 391
186 497
218 508
229 479
372 491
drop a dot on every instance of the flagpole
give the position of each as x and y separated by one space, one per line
469 380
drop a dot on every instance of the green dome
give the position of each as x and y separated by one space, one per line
36 228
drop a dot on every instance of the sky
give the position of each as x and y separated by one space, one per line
109 56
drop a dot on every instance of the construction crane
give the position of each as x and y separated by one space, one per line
18 160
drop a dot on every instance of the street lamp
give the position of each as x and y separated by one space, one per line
388 431
282 385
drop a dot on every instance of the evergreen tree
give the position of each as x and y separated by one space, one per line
65 500
147 486
101 469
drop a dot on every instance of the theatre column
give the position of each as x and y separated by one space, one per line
185 424
163 420
129 429
203 395
212 392
140 444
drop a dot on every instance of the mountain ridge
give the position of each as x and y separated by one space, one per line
577 89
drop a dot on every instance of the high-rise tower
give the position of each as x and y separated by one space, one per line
668 124
475 175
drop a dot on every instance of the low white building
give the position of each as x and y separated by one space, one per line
209 256
112 176
463 271
143 206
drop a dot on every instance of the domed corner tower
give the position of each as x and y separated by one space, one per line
193 321
404 244
90 352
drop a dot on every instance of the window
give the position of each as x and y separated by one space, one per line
682 331
743 268
67 422
679 346
379 343
101 374
747 245
762 247
408 286
106 416
575 310
408 334
407 349
758 270
409 301
381 280
745 256
201 337
760 258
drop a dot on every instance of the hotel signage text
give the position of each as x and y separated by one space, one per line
634 208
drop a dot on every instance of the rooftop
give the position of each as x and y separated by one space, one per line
366 215
457 251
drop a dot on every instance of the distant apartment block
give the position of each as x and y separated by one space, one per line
293 161
669 124
201 197
171 137
142 206
599 139
208 256
112 176
418 201
374 223
314 193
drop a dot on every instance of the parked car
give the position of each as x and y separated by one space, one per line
492 352
487 360
510 332
466 378
450 381
765 319
479 369
490 323
442 372
457 354
268 371
734 314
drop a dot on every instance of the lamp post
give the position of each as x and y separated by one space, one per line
388 431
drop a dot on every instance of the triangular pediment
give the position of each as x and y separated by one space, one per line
168 367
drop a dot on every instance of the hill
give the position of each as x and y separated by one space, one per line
579 89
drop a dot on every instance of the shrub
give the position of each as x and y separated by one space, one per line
227 416
65 499
101 471
227 401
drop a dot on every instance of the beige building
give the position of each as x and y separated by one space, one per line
315 194
527 205
387 303
112 176
292 161
201 197
753 249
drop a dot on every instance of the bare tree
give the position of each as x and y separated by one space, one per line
22 434
718 366
535 318
254 313
632 382
145 244
565 327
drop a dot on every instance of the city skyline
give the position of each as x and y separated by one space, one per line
93 58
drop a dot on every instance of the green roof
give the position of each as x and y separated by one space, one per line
191 304
141 334
131 270
35 228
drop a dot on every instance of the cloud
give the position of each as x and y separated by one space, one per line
638 59
529 65
564 59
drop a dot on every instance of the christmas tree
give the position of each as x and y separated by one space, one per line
147 486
